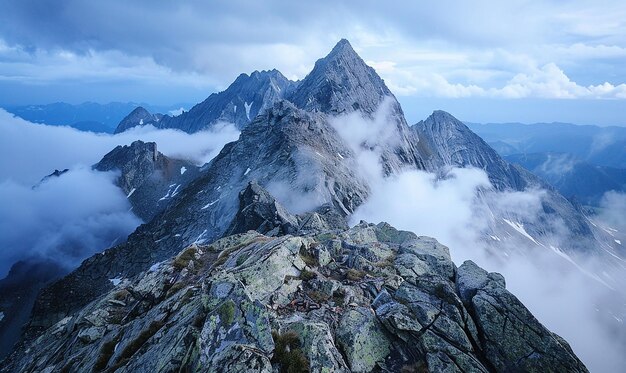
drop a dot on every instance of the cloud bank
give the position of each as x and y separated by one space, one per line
68 218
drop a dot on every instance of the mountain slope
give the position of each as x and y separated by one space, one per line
365 299
450 143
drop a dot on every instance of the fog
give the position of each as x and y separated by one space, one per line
457 207
68 218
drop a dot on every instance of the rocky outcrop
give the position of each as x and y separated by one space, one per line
381 300
148 178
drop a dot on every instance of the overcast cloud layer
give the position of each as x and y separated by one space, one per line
152 51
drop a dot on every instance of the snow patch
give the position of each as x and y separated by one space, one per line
618 242
520 229
131 192
247 106
340 156
201 238
209 204
247 171
495 238
235 109
115 281
183 170
141 122
155 267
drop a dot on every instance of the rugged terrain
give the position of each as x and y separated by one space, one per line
369 298
223 276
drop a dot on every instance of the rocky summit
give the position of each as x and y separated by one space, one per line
299 298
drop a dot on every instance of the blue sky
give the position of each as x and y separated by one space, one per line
484 61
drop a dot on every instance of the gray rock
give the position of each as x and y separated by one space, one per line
148 178
361 337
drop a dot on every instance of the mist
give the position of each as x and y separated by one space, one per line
457 207
68 218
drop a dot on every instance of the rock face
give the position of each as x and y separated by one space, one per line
381 300
243 100
138 117
149 178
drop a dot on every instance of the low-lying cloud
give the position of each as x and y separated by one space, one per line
459 208
32 151
68 218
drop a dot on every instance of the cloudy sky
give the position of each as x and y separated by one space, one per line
483 61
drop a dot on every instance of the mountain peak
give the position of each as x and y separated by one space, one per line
343 46
341 82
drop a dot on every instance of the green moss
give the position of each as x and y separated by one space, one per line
307 275
307 258
174 289
241 259
317 296
121 295
182 260
133 346
288 353
354 274
106 351
226 311
324 237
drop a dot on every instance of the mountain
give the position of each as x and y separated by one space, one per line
239 104
452 143
196 268
295 154
600 146
370 298
88 116
148 178
138 117
572 177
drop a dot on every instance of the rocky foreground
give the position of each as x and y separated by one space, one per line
302 296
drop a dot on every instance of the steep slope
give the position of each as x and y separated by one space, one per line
370 298
148 178
449 142
243 100
340 82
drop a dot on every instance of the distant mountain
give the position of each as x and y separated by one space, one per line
601 146
88 116
573 177
246 97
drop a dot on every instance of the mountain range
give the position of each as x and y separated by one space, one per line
248 263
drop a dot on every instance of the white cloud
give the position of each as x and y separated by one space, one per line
42 149
68 218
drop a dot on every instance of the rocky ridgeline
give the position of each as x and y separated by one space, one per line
302 297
